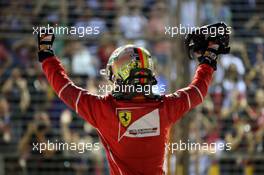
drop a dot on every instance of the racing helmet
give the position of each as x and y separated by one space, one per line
130 64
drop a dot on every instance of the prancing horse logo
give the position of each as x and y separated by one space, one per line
125 117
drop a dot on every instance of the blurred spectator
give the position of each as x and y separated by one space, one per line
254 79
227 60
98 22
256 113
234 89
16 91
241 139
241 136
5 62
256 51
43 94
253 24
238 57
76 8
106 47
5 129
49 11
93 20
38 132
163 82
82 62
159 18
189 13
69 136
25 55
215 10
131 24
15 17
94 4
204 129
239 50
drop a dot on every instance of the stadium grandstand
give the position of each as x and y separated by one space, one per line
233 111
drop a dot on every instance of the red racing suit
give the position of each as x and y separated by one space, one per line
133 132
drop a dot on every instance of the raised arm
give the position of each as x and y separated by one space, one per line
198 88
60 82
75 97
194 94
205 48
187 98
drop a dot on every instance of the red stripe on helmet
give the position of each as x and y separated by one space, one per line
142 63
141 57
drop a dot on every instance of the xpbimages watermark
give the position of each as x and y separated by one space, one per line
79 147
195 146
129 88
173 31
80 31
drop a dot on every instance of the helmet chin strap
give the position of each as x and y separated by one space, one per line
133 81
141 73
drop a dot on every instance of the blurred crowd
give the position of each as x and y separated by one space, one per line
30 111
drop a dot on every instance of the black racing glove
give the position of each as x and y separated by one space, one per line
204 45
210 56
45 42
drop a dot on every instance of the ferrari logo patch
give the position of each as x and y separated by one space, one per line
125 117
